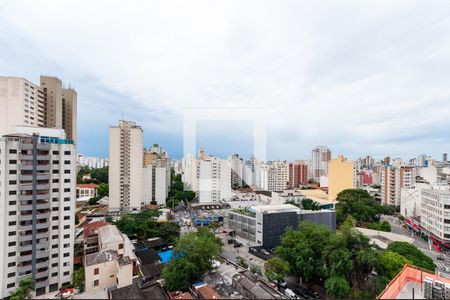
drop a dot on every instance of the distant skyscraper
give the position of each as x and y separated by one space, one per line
125 166
48 105
156 175
444 157
213 179
319 162
298 174
277 176
236 170
393 179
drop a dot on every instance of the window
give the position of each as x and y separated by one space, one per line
56 162
66 190
67 208
55 199
12 274
11 254
96 271
66 152
12 172
67 199
54 255
55 208
66 226
12 213
12 223
55 218
66 171
54 237
96 282
10 244
66 217
11 264
66 180
54 265
13 192
55 190
54 274
10 285
12 162
11 182
66 236
55 171
12 151
67 162
55 227
55 246
66 254
11 233
66 273
56 180
120 246
55 152
66 245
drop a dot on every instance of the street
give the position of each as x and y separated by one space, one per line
397 227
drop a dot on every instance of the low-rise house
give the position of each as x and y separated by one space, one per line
90 231
86 191
113 265
251 287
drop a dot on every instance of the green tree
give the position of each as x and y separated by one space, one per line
193 254
309 204
241 261
78 278
169 231
141 225
100 175
391 263
276 269
102 190
359 204
24 289
214 226
255 270
413 254
172 203
93 201
337 287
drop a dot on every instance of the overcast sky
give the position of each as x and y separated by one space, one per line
362 77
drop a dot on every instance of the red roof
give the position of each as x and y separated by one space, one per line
207 292
185 295
87 186
90 228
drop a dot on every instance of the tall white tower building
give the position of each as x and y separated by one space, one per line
213 179
37 207
125 166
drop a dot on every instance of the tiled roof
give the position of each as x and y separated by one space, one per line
87 186
90 228
207 292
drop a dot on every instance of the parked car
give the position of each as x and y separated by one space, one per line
264 251
290 294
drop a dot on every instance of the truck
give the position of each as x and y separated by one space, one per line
290 294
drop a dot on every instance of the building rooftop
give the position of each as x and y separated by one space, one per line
409 278
207 292
87 186
90 228
275 208
109 234
100 257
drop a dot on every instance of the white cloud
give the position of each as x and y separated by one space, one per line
362 77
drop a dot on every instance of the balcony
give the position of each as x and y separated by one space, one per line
25 157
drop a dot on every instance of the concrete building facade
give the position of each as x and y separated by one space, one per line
342 175
393 179
319 162
37 203
125 166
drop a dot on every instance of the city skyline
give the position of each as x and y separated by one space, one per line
357 89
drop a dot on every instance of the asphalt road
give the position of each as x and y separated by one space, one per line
397 227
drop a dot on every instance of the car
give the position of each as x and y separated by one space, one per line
290 294
264 251
282 284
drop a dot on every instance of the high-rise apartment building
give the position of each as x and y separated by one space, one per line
435 216
48 105
37 203
319 162
236 170
298 174
342 175
125 166
277 176
393 179
213 179
156 175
